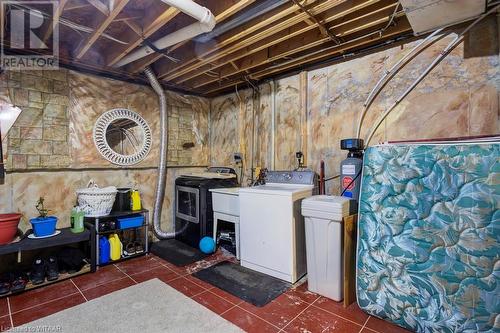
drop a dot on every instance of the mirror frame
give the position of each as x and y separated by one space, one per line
99 134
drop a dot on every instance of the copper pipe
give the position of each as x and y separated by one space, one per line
322 177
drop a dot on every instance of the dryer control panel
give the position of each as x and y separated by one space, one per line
305 177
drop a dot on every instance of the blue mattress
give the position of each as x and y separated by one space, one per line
428 256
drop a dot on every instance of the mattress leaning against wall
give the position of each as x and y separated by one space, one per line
428 256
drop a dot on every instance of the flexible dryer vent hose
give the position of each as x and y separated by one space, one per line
162 164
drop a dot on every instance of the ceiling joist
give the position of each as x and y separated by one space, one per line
285 27
55 19
99 6
284 47
101 26
263 72
284 38
284 33
152 25
228 12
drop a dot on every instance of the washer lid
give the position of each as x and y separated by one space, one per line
328 203
227 190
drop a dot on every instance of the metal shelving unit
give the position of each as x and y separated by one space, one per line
93 224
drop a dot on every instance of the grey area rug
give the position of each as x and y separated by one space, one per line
151 306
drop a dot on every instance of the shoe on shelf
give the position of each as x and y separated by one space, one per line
139 248
37 275
19 281
51 269
5 283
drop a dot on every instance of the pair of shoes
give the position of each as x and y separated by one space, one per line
44 268
133 248
5 281
13 282
70 260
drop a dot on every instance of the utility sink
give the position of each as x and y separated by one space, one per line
226 200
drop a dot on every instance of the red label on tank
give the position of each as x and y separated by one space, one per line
346 181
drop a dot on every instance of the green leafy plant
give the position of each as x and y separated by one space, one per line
42 211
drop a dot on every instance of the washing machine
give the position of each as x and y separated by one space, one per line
272 233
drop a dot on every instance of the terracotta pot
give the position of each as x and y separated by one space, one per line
8 227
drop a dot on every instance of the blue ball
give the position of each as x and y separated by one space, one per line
207 245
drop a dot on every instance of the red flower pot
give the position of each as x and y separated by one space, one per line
8 227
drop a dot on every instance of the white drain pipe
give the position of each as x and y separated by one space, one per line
206 24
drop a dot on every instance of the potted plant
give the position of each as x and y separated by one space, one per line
43 225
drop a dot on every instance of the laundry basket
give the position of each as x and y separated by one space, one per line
95 201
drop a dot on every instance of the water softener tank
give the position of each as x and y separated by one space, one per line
350 168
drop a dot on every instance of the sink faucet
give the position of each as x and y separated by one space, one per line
261 178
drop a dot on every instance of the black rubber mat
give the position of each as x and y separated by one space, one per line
176 252
251 286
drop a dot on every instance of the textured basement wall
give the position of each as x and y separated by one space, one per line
459 98
50 151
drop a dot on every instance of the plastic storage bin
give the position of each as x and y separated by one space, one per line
323 216
130 222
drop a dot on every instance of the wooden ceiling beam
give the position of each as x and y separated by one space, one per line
230 11
75 6
152 25
343 14
226 13
100 28
55 19
263 72
275 33
301 43
129 14
169 71
103 8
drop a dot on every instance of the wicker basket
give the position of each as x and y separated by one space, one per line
95 201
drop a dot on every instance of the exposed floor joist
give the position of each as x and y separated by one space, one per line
153 23
284 37
234 9
55 20
298 38
100 28
335 50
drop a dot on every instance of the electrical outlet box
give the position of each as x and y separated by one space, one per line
237 158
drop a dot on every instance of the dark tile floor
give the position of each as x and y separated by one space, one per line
297 310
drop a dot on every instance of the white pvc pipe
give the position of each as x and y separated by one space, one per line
190 8
206 24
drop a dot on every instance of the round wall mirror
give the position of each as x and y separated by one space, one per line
122 137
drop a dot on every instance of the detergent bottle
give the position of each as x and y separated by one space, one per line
103 250
116 247
77 216
135 200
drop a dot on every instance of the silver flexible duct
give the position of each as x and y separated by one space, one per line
162 164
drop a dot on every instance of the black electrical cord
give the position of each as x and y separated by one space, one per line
330 178
2 167
352 181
